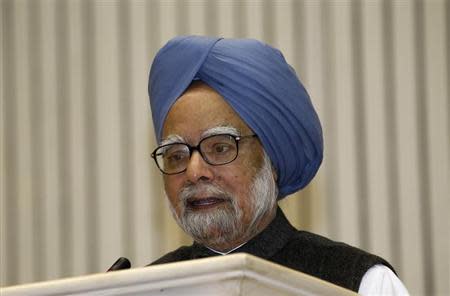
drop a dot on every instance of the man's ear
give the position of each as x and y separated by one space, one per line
274 173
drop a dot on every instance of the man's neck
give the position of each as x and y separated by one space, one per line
229 247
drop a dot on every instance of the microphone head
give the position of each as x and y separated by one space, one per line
121 263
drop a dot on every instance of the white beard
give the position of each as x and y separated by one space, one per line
225 224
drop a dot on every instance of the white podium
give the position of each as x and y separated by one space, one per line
237 274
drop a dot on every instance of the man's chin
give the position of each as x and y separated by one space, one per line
210 232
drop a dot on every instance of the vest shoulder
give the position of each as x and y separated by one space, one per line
304 241
180 254
333 261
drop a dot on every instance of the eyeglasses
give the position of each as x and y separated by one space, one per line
215 150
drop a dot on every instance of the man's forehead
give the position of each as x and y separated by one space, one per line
219 129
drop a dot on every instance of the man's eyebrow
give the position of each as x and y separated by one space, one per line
217 130
220 130
172 139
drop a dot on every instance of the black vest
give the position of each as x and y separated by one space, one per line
281 243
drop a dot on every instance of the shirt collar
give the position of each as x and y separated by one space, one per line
228 252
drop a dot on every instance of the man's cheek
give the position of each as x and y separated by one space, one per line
171 186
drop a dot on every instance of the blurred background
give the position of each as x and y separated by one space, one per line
78 185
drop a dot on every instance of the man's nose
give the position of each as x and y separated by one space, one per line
198 169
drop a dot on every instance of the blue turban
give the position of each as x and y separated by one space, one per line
255 80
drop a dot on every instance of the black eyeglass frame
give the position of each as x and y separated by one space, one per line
197 148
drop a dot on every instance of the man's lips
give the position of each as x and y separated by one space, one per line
204 203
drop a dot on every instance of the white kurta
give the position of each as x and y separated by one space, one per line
379 280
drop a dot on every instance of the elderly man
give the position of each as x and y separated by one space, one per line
237 132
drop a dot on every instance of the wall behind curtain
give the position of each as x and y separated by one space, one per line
78 186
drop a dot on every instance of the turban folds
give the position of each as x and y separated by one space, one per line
256 81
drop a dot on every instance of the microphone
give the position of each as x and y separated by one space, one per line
121 263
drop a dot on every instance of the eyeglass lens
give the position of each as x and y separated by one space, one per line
215 150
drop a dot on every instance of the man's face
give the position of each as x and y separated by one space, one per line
214 202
